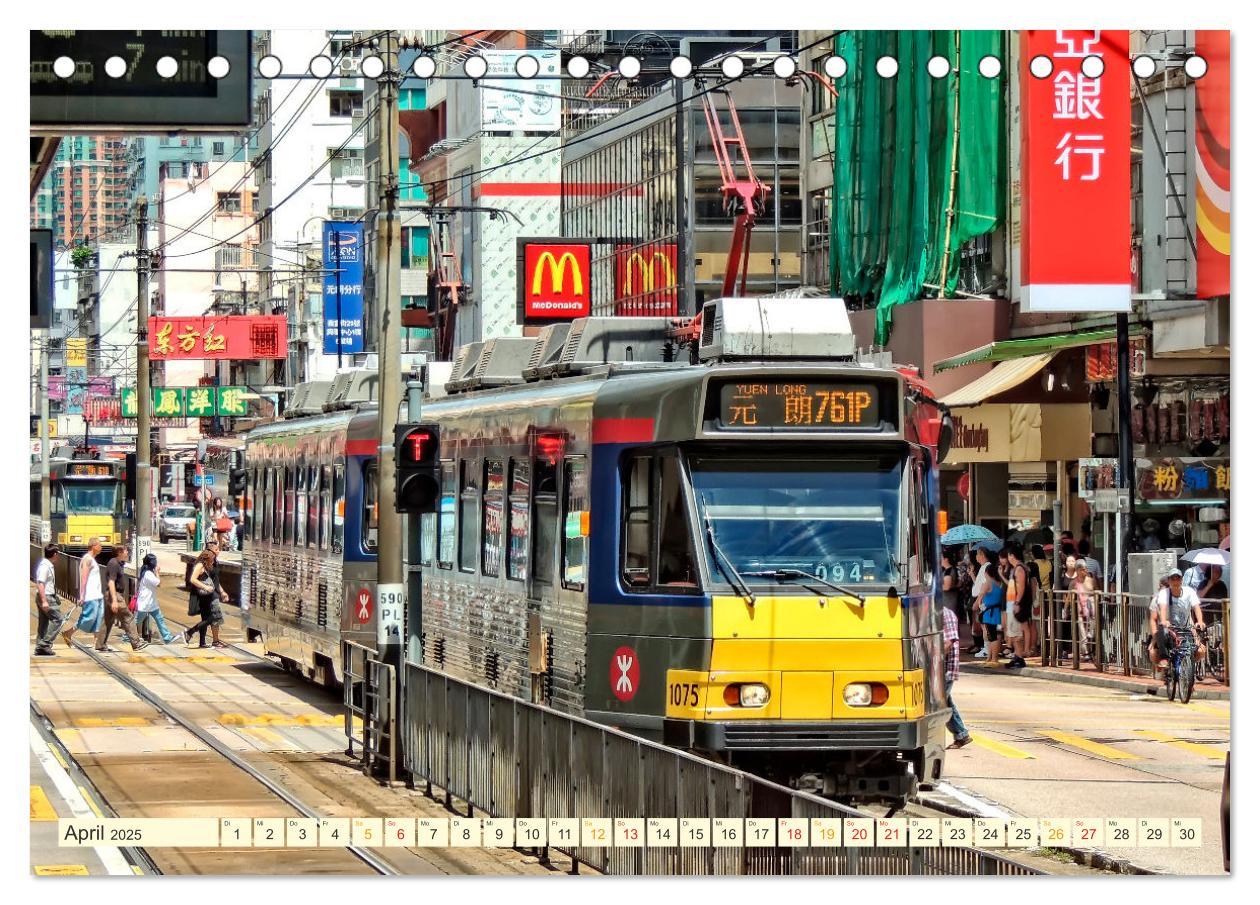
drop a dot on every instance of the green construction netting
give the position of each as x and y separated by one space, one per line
919 164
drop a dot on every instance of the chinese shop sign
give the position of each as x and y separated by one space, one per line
193 402
1211 147
553 280
343 319
218 338
1074 169
1182 480
646 280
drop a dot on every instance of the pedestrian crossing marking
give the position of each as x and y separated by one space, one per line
290 720
142 658
41 807
1085 744
91 802
997 747
61 870
265 735
1194 747
96 722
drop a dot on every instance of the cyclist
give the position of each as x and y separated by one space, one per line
1177 606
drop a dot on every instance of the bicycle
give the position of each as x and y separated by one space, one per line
1179 678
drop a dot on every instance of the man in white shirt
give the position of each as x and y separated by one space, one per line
46 599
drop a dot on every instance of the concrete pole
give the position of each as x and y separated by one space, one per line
144 516
45 495
389 303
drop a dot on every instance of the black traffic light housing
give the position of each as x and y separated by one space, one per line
129 480
237 480
418 470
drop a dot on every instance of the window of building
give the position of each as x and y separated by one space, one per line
229 202
371 509
415 248
345 103
446 518
492 519
345 162
218 149
468 502
576 518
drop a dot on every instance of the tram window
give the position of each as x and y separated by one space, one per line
299 522
57 500
467 517
264 514
325 506
446 523
575 521
676 561
290 502
636 559
339 507
277 503
312 512
518 520
492 519
370 507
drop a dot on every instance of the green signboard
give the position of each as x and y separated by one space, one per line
193 402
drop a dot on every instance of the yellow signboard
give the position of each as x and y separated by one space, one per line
76 353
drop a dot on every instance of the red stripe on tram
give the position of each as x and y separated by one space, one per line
361 447
623 430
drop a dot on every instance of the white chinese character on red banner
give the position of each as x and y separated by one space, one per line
1076 97
1076 44
1071 144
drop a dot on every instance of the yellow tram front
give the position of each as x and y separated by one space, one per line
87 500
777 566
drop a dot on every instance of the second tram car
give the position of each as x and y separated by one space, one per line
87 500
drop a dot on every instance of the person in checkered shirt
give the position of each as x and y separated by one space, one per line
955 724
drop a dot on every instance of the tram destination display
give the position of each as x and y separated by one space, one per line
807 404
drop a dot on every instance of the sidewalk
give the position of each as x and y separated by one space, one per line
1087 675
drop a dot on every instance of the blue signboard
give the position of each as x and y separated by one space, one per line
343 314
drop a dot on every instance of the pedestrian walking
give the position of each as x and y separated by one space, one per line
955 725
1083 587
117 606
204 598
46 600
147 609
91 594
220 524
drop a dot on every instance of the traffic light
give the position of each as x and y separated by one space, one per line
418 472
129 479
237 479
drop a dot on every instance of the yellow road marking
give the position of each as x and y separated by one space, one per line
56 752
96 722
1217 712
135 869
999 748
41 807
61 870
1079 741
265 735
1195 747
290 720
87 796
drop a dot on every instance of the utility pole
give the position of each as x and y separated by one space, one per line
45 496
389 345
1124 432
144 518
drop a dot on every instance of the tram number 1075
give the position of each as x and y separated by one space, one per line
684 694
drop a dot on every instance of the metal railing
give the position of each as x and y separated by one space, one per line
368 693
510 758
1111 633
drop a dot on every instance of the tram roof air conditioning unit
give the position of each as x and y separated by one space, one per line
309 398
465 363
501 362
757 329
547 350
594 341
352 387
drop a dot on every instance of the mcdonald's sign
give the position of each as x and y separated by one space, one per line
646 282
553 279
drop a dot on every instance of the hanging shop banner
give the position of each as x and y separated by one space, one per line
1074 170
1182 480
218 338
646 280
553 280
76 389
76 353
343 321
56 388
1211 163
127 407
513 104
1101 358
104 412
193 402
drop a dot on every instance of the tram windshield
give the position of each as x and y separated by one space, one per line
92 498
837 519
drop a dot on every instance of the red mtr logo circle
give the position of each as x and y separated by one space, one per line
363 606
623 673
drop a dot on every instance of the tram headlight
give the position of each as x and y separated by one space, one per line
865 694
753 694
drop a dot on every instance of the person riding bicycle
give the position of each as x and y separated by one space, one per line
1179 604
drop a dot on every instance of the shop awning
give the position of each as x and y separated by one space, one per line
1006 376
1007 349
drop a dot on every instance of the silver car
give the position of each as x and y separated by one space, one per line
177 521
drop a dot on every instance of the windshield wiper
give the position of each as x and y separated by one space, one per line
785 574
732 577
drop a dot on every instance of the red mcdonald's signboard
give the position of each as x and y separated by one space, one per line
1211 158
222 337
646 280
553 278
1074 170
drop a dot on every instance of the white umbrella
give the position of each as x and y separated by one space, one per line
1208 556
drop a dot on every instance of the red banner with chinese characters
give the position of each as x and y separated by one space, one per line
222 337
1211 147
646 280
1074 170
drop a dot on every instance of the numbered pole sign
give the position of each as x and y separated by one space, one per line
389 614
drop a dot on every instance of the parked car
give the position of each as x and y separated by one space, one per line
177 521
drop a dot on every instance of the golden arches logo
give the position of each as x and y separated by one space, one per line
647 272
567 260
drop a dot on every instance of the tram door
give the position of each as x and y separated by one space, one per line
541 500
